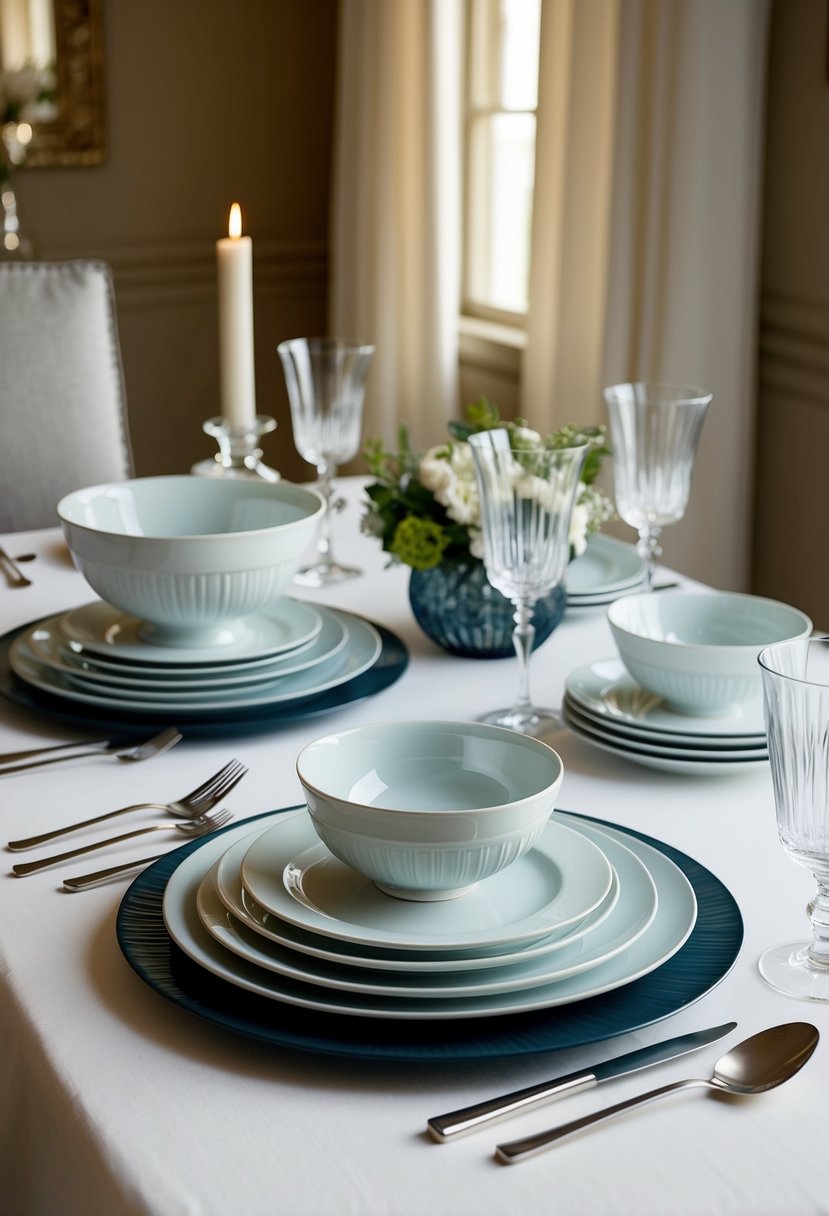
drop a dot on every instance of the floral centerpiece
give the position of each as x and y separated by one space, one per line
424 509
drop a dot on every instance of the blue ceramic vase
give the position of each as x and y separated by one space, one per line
458 608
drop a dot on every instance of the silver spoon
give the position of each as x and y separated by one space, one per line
762 1062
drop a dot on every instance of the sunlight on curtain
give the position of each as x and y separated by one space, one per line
645 257
395 243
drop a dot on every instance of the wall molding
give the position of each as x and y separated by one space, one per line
184 273
794 347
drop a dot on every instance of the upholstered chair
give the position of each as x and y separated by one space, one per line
63 420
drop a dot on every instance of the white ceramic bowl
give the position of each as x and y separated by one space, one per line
699 651
191 555
428 809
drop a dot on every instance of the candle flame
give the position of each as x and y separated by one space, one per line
234 223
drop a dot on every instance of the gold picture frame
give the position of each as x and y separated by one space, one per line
77 135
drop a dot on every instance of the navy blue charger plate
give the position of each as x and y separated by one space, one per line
704 960
389 667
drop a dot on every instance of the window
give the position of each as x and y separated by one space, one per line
500 119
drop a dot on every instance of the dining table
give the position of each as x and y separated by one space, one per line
116 1098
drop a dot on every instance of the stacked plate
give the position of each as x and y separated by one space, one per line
589 909
101 658
604 705
607 569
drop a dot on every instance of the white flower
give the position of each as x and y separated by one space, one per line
523 437
527 485
462 503
476 543
434 471
579 522
463 462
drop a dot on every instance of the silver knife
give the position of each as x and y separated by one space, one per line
470 1118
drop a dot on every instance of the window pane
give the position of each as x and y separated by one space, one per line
501 176
520 33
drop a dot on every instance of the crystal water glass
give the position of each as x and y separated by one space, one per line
654 432
796 700
326 379
526 499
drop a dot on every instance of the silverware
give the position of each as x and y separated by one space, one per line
14 575
191 806
191 827
762 1062
458 1122
143 751
89 880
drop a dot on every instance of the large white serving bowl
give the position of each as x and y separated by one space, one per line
193 556
697 650
428 809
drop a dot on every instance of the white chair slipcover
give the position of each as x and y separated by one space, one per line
63 421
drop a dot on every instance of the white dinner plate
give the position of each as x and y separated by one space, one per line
606 689
290 872
107 631
665 935
602 601
680 751
606 566
43 643
633 914
228 884
670 764
362 650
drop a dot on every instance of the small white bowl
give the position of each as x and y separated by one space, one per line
191 555
428 809
699 651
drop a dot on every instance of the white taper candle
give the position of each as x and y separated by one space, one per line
234 260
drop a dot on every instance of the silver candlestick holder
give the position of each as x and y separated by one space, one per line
239 454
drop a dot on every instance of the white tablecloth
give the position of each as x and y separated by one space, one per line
114 1101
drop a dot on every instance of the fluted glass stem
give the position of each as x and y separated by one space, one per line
650 550
325 483
522 638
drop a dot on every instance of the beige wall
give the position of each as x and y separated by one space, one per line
791 554
208 101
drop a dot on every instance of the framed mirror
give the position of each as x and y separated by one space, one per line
62 41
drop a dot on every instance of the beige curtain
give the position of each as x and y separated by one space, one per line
396 199
645 234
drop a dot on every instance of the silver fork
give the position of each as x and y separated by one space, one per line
191 806
191 827
89 880
143 751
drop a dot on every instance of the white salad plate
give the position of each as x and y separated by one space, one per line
678 763
632 916
107 631
622 733
606 690
290 872
42 643
605 567
679 751
226 877
665 935
361 652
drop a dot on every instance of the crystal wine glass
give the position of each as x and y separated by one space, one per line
796 697
654 432
527 498
326 382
